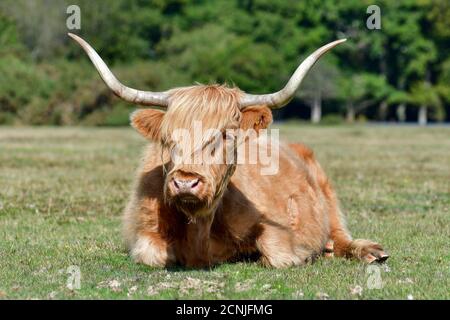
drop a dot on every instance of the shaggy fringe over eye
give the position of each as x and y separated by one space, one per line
215 106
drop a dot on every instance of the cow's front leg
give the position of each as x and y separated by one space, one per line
277 248
367 251
151 249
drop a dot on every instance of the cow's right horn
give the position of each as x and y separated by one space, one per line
280 98
147 98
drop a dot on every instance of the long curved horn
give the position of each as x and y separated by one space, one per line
281 98
147 98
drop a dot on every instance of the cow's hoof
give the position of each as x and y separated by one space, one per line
373 258
368 251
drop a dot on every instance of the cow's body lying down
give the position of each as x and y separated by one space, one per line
203 213
284 219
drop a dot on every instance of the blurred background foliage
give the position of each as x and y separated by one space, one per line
399 73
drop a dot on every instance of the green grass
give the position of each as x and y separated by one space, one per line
62 192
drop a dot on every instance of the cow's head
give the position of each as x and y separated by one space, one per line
198 127
200 132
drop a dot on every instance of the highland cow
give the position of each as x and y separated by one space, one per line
198 214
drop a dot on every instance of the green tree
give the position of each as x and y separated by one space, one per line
426 98
320 84
362 90
212 54
255 44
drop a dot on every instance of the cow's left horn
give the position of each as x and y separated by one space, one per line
147 98
281 98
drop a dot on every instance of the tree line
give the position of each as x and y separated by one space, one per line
400 72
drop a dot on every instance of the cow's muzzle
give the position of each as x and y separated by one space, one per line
186 187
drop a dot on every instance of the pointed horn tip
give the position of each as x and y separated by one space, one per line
77 38
80 41
337 42
331 45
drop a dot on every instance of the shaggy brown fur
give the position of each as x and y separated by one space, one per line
284 219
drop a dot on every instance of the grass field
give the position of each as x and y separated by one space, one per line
62 191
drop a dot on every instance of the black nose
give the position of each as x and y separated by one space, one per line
185 185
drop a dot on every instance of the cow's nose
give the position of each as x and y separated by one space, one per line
186 184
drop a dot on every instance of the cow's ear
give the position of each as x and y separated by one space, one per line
148 123
256 117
